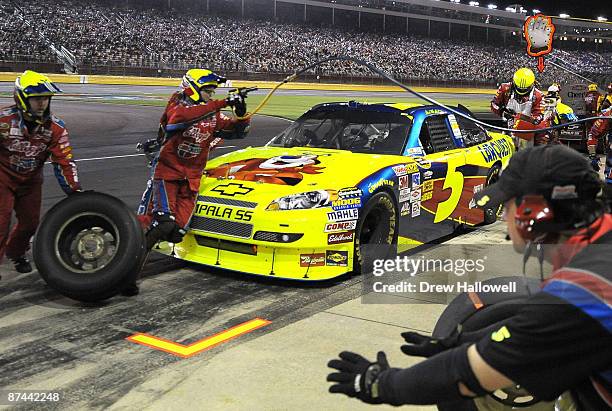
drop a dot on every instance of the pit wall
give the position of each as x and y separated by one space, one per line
155 81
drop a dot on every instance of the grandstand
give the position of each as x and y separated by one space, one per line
417 41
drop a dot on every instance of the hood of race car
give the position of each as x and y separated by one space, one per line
266 173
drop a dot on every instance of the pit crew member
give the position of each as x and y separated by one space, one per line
29 134
519 97
597 131
559 340
190 127
591 98
605 101
555 113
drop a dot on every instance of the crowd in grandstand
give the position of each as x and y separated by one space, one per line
99 35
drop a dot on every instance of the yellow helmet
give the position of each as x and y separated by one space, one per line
196 79
523 81
592 87
33 84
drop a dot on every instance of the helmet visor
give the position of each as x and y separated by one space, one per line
521 91
42 89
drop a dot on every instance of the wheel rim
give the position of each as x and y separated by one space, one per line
87 242
375 227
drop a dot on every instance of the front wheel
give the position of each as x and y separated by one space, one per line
376 233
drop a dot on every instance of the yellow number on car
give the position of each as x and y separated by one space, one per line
454 181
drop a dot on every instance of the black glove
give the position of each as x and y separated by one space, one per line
237 101
507 113
420 345
358 377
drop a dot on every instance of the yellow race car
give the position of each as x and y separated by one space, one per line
341 177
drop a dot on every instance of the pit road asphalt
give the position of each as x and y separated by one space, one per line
51 342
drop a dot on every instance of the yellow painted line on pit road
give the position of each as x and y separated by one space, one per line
186 351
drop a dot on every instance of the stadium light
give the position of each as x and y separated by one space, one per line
602 19
474 3
512 9
455 1
536 11
492 6
564 16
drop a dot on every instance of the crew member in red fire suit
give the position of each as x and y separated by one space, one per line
29 134
520 97
599 130
591 100
190 127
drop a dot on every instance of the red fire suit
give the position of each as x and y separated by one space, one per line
591 99
177 170
529 105
599 129
23 153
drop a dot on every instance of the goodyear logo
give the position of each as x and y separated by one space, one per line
225 213
495 150
346 203
433 111
380 183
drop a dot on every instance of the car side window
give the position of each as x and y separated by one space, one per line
472 133
435 136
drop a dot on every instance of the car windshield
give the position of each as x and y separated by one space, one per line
354 130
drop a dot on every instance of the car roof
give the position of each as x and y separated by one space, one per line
374 107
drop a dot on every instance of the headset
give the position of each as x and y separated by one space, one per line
541 220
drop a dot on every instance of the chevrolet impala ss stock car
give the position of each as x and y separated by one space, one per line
342 176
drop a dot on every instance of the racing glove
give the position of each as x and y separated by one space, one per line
358 377
507 114
420 345
238 103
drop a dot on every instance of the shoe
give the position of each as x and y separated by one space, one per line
22 265
595 162
130 290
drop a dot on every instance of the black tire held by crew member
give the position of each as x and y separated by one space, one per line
495 307
376 232
491 214
89 246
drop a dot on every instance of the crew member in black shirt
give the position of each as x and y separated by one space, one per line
560 340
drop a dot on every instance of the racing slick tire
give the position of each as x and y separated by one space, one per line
89 246
491 213
376 232
474 311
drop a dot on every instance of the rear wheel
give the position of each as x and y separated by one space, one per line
492 213
376 233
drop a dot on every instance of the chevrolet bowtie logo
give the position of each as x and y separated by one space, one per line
232 189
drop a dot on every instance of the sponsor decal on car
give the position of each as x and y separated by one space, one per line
336 258
414 150
412 167
404 182
416 179
477 189
400 170
428 185
346 203
350 192
337 238
226 213
495 150
455 127
404 195
343 215
433 111
416 209
415 195
427 196
340 226
380 183
312 260
405 211
427 174
423 162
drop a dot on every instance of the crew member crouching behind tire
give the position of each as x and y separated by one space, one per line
560 340
29 134
189 129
